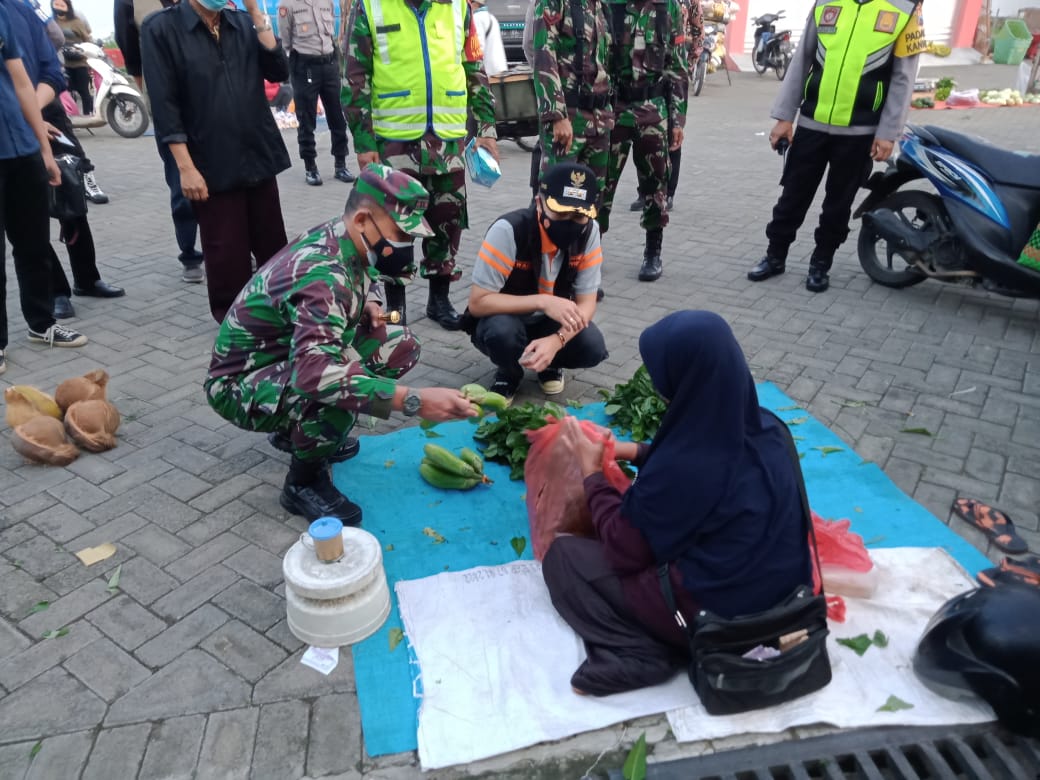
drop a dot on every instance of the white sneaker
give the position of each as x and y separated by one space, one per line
94 193
194 274
58 336
551 381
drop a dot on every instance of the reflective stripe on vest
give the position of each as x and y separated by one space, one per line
408 99
848 82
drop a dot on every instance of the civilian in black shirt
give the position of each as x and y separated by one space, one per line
205 66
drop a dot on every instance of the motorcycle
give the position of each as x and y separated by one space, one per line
712 56
116 100
772 49
971 233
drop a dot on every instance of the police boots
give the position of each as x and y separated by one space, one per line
651 269
818 279
395 300
309 491
439 308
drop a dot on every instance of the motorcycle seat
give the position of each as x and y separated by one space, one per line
1002 165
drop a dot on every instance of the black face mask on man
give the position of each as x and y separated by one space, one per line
563 232
390 258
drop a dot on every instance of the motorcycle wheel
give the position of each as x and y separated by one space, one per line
527 143
698 77
781 68
921 211
756 55
127 115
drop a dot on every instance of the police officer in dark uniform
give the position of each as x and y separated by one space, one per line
308 30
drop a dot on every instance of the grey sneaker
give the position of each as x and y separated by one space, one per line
58 336
193 274
3 362
93 191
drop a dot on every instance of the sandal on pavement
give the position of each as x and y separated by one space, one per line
992 522
1012 572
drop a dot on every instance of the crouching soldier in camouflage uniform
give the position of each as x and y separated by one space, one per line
649 72
571 41
413 70
305 347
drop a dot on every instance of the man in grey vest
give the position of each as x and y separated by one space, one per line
308 30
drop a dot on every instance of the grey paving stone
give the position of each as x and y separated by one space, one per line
183 635
78 494
20 592
11 640
256 564
126 622
252 604
60 523
158 546
27 508
53 703
61 756
227 749
39 556
144 581
67 609
281 634
117 752
76 575
182 485
292 680
95 470
267 533
216 522
15 760
109 530
192 683
335 738
987 466
243 650
106 669
281 741
225 492
19 668
178 603
174 748
202 558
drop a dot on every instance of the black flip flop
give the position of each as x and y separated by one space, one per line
1012 572
995 524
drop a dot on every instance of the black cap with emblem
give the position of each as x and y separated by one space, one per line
570 187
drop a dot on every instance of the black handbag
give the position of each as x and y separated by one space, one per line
69 199
790 639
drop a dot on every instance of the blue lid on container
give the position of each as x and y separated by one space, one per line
325 528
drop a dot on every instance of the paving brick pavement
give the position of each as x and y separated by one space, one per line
189 669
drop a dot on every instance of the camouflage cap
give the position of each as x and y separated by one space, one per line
402 197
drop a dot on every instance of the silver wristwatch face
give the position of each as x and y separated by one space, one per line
412 402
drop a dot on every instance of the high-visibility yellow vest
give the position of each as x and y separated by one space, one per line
418 81
848 82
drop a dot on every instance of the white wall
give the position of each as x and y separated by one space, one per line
1008 7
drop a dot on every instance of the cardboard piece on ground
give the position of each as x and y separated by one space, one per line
92 555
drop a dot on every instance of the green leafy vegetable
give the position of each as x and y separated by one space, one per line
39 606
894 704
797 421
519 544
395 636
635 763
503 437
850 404
879 638
113 581
858 644
432 434
427 424
55 634
35 750
828 450
635 407
794 408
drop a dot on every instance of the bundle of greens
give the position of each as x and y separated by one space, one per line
635 408
503 438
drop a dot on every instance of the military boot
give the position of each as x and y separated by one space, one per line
439 308
651 269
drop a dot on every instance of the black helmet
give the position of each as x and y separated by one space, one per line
986 643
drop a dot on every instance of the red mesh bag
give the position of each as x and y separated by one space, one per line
555 486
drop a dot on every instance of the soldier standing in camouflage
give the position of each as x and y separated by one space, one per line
413 70
650 75
570 82
308 34
306 347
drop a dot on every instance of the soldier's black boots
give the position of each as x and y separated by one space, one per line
348 449
395 300
818 279
651 269
309 491
439 308
766 268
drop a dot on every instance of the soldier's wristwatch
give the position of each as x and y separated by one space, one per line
412 403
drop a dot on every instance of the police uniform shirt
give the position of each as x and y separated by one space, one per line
307 26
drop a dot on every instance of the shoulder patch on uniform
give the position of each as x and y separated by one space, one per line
886 22
829 19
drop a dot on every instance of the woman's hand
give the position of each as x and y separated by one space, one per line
588 452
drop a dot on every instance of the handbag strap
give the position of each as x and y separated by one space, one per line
662 570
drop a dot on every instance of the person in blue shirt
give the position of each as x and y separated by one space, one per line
26 168
45 72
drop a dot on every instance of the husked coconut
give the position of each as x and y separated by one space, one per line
42 440
92 425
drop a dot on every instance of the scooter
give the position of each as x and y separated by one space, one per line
971 233
712 56
772 49
116 100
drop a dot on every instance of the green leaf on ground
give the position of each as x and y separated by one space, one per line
797 421
858 644
55 634
574 404
798 438
918 431
635 763
395 636
427 424
388 464
850 404
879 638
389 548
519 544
873 540
39 606
433 435
894 704
437 538
857 509
829 450
35 750
113 581
611 409
794 408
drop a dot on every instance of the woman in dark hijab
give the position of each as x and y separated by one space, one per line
717 497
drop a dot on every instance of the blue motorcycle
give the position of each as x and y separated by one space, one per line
972 232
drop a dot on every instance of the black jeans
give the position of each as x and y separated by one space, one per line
24 221
185 226
503 338
79 82
811 153
311 79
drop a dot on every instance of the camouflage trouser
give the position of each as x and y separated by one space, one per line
444 177
642 128
588 148
265 399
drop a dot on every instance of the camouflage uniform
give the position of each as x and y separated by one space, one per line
293 354
437 164
650 78
583 97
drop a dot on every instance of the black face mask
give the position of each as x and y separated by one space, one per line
563 232
390 258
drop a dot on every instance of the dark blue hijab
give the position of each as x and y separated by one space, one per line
717 495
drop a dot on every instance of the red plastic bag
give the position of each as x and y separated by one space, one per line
838 547
555 486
